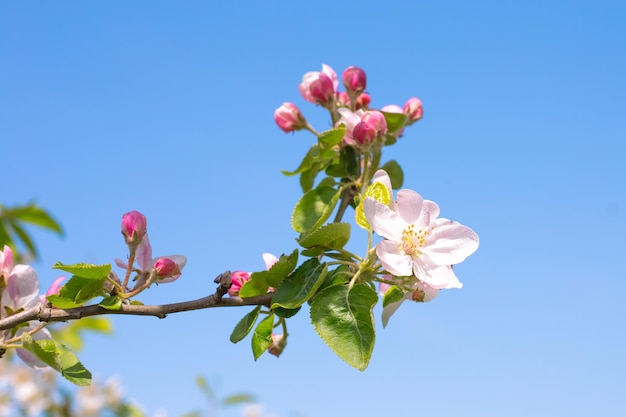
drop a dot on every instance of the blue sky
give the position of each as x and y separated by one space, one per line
167 108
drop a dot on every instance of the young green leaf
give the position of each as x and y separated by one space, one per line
262 337
343 318
282 268
314 208
85 270
77 291
306 163
332 137
395 121
300 285
331 236
244 326
392 295
59 358
111 302
257 285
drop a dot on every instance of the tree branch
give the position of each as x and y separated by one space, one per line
47 313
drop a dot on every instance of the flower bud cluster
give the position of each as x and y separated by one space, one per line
321 88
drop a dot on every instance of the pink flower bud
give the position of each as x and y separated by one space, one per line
289 118
165 267
239 278
319 87
413 109
354 79
279 341
364 133
363 101
134 226
376 119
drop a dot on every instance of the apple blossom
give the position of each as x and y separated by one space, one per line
133 226
6 262
147 263
376 119
319 87
354 80
417 242
279 341
238 279
364 134
289 118
413 110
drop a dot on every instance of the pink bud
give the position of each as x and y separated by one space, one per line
376 119
289 118
413 110
364 133
322 90
134 226
354 79
279 341
363 101
165 267
319 87
55 287
239 278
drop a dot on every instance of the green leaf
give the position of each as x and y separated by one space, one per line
392 295
85 270
338 276
331 236
307 178
257 285
244 326
205 388
282 268
286 312
111 302
262 337
77 291
314 208
376 190
332 137
25 238
300 285
395 121
238 399
395 174
307 162
59 358
343 318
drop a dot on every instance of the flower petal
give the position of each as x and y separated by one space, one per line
449 244
143 256
393 260
386 222
437 277
21 287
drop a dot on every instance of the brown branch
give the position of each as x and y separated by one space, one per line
47 313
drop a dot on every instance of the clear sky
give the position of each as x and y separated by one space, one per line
166 108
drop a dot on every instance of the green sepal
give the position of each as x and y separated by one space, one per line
281 269
395 121
256 285
331 236
77 291
395 173
307 162
111 302
85 270
58 357
332 137
392 295
379 192
314 208
300 285
262 336
244 326
343 318
286 312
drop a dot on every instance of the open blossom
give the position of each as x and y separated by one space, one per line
319 87
417 242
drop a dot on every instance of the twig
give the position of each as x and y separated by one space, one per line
47 313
